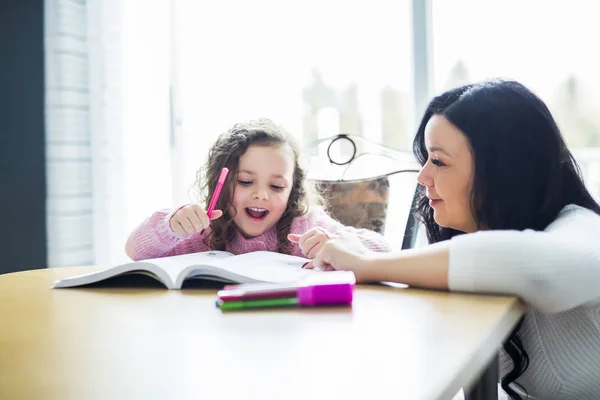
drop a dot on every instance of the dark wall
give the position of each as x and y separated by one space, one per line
22 160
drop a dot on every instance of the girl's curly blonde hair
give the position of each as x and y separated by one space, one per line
226 152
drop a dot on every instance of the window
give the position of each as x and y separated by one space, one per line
545 45
318 68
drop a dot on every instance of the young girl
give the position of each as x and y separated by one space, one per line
264 204
506 211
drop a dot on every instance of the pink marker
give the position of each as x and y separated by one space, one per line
215 196
311 295
329 288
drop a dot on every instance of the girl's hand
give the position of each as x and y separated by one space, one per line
343 252
311 242
191 218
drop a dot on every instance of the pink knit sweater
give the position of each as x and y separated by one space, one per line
154 237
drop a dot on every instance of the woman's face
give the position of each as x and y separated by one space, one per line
448 175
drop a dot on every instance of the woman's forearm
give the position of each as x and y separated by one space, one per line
425 267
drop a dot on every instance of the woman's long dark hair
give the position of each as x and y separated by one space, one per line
524 173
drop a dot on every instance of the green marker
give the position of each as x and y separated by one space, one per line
240 305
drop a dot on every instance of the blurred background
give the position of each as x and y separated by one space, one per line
109 106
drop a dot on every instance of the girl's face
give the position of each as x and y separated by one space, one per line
448 175
262 188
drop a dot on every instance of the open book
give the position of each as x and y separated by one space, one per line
220 266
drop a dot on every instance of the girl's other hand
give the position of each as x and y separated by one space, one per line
310 242
343 251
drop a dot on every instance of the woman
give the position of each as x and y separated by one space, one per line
498 180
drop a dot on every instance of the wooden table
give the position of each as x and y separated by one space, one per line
152 343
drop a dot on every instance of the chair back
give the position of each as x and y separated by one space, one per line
358 189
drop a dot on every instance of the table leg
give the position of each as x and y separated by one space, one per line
486 387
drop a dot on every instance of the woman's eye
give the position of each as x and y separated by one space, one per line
437 162
244 183
276 187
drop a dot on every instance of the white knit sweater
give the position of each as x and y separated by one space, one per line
557 273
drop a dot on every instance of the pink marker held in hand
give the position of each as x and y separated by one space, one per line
215 196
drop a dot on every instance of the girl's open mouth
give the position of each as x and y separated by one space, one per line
256 213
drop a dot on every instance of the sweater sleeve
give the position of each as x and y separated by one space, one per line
154 238
554 270
318 218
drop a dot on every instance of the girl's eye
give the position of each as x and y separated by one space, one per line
437 162
244 183
276 187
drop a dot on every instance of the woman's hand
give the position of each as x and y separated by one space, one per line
343 251
191 218
311 242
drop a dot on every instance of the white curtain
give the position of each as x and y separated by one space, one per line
107 124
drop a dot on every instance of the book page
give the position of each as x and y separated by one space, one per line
139 267
175 264
259 266
164 269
